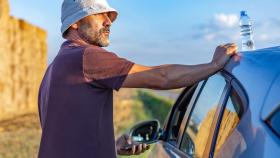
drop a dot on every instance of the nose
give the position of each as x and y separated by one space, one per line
107 21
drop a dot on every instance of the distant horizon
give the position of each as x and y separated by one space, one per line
162 32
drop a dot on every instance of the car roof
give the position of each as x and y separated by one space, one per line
265 59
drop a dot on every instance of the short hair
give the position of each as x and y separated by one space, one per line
65 34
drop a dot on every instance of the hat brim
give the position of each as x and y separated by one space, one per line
113 14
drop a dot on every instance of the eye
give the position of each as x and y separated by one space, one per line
107 14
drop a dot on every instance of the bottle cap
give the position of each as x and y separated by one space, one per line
243 13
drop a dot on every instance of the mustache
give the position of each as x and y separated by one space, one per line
105 29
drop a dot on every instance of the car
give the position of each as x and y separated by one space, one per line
233 113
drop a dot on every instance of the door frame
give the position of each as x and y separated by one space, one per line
190 107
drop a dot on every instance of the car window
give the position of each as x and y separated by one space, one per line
274 121
230 119
198 127
179 113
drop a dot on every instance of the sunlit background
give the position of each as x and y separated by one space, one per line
146 32
164 31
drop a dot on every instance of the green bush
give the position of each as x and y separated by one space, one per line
156 106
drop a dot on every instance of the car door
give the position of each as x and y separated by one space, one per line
198 127
228 140
165 147
193 112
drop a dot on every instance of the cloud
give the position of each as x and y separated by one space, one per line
225 28
221 27
267 30
226 20
263 37
220 21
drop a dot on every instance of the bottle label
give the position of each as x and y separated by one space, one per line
249 44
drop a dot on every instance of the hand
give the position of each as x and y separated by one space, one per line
135 148
223 53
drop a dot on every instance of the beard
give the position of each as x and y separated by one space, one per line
99 38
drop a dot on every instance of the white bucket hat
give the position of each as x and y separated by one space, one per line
75 10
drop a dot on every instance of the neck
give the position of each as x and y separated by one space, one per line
74 36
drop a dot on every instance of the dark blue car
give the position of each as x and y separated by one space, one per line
234 113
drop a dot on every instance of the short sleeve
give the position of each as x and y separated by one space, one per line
105 68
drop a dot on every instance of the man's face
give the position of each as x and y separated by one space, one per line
95 29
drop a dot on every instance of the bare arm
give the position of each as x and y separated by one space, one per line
167 76
177 76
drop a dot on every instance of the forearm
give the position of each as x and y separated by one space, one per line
165 77
178 76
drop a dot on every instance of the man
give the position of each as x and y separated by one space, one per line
75 98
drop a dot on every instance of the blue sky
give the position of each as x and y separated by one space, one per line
164 31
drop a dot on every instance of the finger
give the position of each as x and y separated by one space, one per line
230 44
232 50
134 149
125 152
139 148
130 151
145 146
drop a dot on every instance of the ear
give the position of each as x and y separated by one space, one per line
74 26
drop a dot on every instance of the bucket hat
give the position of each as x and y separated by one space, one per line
75 10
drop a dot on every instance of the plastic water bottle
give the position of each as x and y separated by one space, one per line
246 32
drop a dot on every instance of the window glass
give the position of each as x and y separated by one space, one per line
179 115
230 119
274 122
198 127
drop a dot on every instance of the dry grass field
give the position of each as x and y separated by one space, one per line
20 134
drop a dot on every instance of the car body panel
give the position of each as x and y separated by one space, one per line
272 101
258 74
166 150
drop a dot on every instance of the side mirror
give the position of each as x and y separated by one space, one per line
146 132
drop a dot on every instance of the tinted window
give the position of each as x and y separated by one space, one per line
179 114
274 121
199 124
230 119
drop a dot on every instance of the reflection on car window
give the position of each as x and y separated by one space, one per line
179 115
230 119
197 130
